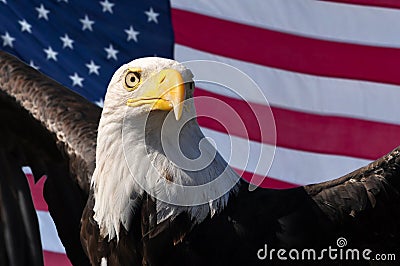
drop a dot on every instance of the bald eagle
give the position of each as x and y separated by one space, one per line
120 191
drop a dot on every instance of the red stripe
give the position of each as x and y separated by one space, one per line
286 51
268 182
53 259
300 131
37 192
378 3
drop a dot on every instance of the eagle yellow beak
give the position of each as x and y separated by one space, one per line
163 91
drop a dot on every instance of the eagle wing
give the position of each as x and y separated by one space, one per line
52 130
365 203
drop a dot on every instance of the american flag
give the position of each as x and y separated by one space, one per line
81 43
329 70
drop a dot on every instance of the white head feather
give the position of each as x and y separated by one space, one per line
139 150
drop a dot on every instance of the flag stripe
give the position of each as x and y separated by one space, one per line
268 182
36 191
291 166
307 93
321 20
53 258
48 233
377 3
290 52
53 250
316 133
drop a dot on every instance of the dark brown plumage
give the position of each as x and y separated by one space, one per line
53 130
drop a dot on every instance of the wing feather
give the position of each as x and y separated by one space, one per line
53 130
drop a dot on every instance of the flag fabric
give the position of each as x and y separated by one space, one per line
329 70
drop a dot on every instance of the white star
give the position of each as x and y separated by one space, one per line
32 64
51 54
111 52
67 41
4 1
87 23
151 15
42 12
76 80
93 68
100 102
25 26
132 34
7 39
107 6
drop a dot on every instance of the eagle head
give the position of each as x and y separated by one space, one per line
141 148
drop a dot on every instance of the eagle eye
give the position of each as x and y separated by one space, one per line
132 79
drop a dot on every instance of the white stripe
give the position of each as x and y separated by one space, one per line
308 93
289 165
317 19
48 233
27 170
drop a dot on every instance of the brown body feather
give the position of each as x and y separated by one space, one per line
54 131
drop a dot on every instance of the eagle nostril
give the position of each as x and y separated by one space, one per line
162 79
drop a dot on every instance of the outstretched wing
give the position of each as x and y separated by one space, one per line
365 204
53 130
